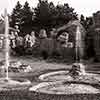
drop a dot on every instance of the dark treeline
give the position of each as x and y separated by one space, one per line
46 15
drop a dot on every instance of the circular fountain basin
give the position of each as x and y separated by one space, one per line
65 75
66 88
13 84
62 82
53 76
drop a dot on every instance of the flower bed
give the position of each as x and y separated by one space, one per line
15 66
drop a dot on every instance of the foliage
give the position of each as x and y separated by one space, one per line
22 16
48 16
89 41
83 21
42 14
86 22
26 20
16 15
64 14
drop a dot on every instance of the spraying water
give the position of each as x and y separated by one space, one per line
6 43
78 43
79 49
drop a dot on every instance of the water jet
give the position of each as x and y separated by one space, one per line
7 83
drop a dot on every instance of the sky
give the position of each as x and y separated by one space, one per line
85 7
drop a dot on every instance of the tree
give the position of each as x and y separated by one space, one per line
88 25
42 14
83 21
26 20
16 15
89 22
86 22
47 15
64 14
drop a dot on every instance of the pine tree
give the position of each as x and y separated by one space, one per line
16 15
26 20
83 21
89 22
42 13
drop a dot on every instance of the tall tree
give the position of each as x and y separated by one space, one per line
89 22
16 15
83 21
42 13
26 20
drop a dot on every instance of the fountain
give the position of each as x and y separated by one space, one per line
72 81
7 83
